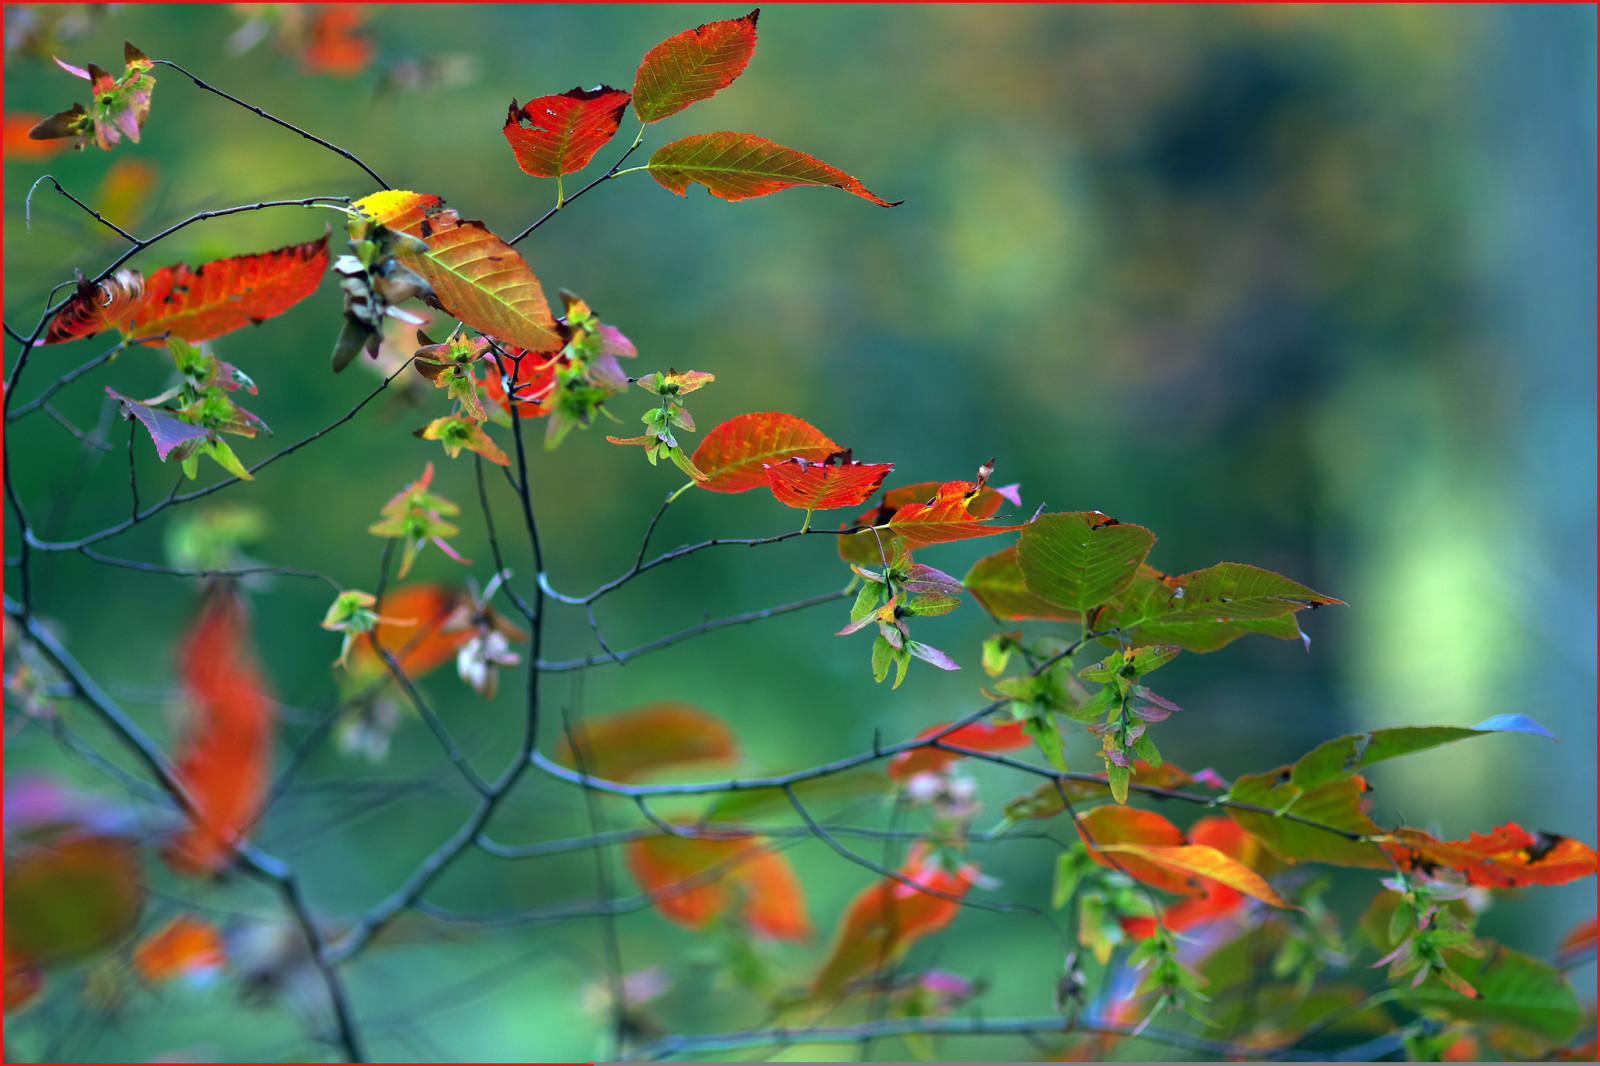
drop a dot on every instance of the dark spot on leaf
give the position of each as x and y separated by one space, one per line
425 228
1545 843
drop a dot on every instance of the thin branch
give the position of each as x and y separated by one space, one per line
27 209
330 146
176 571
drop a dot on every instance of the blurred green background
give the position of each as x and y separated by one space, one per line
1304 287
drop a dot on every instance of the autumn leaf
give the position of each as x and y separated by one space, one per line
734 455
1218 899
738 166
224 759
184 947
410 627
1507 857
721 874
945 518
98 306
476 276
1198 861
333 44
1080 559
888 917
626 744
226 294
979 736
456 432
837 481
167 431
1119 825
996 582
692 66
556 135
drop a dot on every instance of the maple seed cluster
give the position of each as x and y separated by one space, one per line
118 106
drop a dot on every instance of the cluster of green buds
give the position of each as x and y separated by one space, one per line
1176 985
417 516
118 106
1120 712
1424 927
352 614
1035 698
585 373
374 281
185 420
659 440
452 365
889 596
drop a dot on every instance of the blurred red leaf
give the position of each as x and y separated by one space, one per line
738 166
1506 857
724 872
889 916
734 454
414 638
621 746
98 306
824 485
692 65
226 294
182 947
555 135
19 147
476 276
333 45
225 757
980 736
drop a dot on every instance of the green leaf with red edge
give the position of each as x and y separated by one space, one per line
97 306
945 519
1199 861
70 897
227 294
692 66
694 881
1513 989
738 166
979 736
626 744
1506 857
734 455
555 135
476 276
825 485
889 916
1081 559
995 581
224 761
1129 825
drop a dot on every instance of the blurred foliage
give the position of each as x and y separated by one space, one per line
1301 285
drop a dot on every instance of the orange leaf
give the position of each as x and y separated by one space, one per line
333 45
692 65
888 917
945 519
734 454
1200 861
720 873
97 306
226 294
557 135
738 166
184 946
621 746
476 276
1507 857
1113 824
225 757
980 736
19 147
823 486
413 637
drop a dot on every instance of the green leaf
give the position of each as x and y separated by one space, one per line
1081 559
1336 804
1513 989
1043 730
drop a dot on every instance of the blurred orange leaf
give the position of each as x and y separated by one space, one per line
621 746
722 873
20 147
182 947
413 637
980 736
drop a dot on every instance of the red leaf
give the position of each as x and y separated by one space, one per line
692 65
888 917
98 306
734 454
980 736
1130 825
333 45
476 276
224 760
413 638
533 380
823 486
721 873
737 166
621 746
225 294
1507 857
183 946
19 147
945 519
557 135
